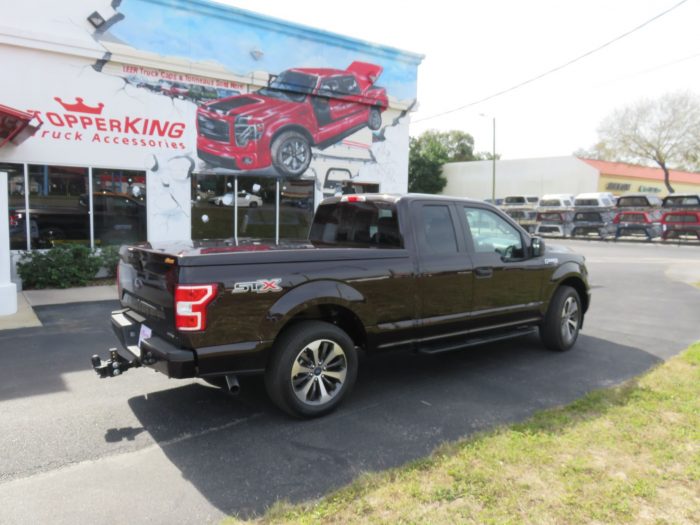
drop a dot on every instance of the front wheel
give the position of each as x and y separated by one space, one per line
313 367
562 322
291 153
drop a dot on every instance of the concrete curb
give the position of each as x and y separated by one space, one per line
71 295
24 318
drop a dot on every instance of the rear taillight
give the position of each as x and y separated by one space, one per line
14 220
191 306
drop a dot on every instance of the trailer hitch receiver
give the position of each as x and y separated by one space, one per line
114 366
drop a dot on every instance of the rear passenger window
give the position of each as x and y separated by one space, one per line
357 225
438 230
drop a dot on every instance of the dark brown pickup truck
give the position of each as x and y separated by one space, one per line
377 273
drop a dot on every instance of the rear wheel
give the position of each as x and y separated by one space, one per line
313 367
562 322
374 121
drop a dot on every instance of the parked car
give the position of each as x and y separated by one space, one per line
177 90
245 200
593 221
18 229
647 223
681 201
200 94
278 125
555 215
526 217
522 209
555 222
118 218
676 224
424 273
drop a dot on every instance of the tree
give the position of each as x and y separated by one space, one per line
429 151
665 131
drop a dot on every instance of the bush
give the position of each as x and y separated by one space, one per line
109 257
62 266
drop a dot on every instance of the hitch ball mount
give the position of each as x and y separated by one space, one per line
114 366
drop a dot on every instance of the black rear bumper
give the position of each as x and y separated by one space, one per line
154 352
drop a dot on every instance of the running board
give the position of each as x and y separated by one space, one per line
438 349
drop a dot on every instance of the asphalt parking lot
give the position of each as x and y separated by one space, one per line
145 449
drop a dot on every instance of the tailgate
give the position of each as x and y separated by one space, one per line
146 281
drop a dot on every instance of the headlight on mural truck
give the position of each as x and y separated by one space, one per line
377 273
299 109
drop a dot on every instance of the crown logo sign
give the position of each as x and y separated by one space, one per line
80 106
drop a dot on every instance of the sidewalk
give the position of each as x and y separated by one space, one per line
26 300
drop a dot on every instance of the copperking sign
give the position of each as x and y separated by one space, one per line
81 122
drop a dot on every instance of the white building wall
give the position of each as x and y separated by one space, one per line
58 59
520 177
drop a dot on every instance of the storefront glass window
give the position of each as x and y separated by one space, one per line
296 208
119 206
58 204
213 205
18 213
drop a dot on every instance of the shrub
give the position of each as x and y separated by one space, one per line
62 266
109 257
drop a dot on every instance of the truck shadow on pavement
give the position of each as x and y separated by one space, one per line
34 360
242 454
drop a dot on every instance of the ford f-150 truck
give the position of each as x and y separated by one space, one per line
377 273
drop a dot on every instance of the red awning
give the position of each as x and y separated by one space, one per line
16 125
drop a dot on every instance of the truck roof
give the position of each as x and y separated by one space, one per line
393 198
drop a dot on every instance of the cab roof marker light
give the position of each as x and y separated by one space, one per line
353 198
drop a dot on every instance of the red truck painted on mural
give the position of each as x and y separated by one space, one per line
278 125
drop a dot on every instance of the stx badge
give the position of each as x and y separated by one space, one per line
259 286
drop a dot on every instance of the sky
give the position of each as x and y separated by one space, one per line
474 49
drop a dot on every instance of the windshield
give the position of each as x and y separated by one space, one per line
515 200
550 203
290 85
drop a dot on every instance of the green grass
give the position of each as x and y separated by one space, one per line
629 454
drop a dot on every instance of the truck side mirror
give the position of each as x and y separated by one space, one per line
537 246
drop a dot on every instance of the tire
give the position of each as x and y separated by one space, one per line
291 153
374 120
562 323
300 389
253 204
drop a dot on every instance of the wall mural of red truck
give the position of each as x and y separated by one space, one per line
300 108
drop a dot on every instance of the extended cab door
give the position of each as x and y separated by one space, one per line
445 280
507 281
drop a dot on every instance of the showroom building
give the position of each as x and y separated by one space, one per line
187 119
567 175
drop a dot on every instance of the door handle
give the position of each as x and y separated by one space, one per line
484 272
